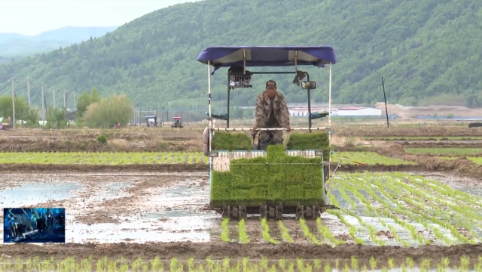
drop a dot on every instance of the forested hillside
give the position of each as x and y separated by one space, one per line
425 50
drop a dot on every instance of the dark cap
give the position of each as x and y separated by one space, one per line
270 84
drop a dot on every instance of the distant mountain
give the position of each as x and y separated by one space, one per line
18 45
428 52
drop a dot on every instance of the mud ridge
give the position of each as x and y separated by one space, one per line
103 168
220 250
180 167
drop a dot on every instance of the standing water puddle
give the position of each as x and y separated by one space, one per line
181 218
33 193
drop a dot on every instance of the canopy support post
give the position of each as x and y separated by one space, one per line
309 103
296 61
329 119
210 119
244 61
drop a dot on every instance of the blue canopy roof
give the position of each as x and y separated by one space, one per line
227 56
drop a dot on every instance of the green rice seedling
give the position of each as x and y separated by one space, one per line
300 264
308 268
317 264
136 265
373 263
272 268
264 263
190 264
200 268
364 268
327 267
291 267
282 264
391 264
265 232
156 264
243 236
464 263
337 264
28 264
226 263
111 266
325 231
18 265
174 264
308 233
285 234
409 262
86 264
209 263
123 268
354 263
225 230
346 268
425 265
245 264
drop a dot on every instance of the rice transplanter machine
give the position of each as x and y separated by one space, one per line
237 58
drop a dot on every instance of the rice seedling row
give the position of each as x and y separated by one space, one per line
408 215
118 158
244 264
431 212
417 205
382 209
368 158
125 158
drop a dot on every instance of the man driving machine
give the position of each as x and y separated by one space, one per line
271 112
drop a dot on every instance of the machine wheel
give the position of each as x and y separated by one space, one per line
226 212
308 212
262 211
299 212
272 212
235 213
243 214
279 212
316 212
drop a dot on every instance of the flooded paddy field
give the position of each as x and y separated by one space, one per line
149 214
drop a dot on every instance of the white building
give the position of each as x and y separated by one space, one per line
351 111
356 111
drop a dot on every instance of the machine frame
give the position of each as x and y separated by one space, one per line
268 56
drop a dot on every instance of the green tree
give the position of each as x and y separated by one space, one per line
56 118
85 99
109 111
7 110
22 110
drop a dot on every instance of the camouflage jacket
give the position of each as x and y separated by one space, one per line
263 110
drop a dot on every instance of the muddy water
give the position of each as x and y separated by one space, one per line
168 207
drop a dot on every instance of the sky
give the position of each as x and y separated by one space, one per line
32 17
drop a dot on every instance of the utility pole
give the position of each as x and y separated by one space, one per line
54 97
28 91
65 101
43 105
13 105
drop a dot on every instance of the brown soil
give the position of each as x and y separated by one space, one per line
219 250
101 168
419 131
186 139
